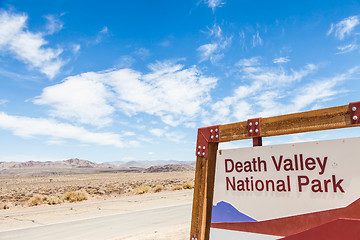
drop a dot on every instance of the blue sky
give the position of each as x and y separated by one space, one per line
133 80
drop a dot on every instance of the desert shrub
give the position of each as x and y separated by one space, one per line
141 189
35 200
4 205
158 188
188 185
52 200
75 196
177 187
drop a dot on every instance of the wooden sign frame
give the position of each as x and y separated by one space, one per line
209 138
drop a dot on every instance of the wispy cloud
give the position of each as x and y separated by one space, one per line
264 82
276 92
256 40
103 33
26 127
76 48
347 48
248 62
216 31
345 27
213 4
54 24
170 91
158 132
143 53
29 47
281 60
125 61
214 51
207 52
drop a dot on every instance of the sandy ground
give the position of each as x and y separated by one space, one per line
179 232
16 191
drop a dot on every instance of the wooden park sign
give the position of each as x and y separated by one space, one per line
292 191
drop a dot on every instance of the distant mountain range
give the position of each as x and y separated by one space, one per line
147 164
78 166
70 163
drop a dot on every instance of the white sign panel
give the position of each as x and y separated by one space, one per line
259 189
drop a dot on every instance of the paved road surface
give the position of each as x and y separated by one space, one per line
114 219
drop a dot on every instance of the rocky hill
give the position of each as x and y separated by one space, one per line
148 163
172 168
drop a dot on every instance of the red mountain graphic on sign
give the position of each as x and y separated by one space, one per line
288 226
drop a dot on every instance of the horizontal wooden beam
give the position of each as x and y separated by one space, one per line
316 120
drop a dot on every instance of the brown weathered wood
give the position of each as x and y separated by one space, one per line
197 198
316 120
203 194
211 164
233 131
257 141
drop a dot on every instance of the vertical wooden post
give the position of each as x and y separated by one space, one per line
203 194
257 141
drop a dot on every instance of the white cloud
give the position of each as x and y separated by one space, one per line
125 61
104 32
213 51
214 3
207 51
215 31
330 30
347 48
28 47
142 52
76 48
281 60
265 98
321 90
169 91
81 98
26 127
157 132
129 134
55 142
265 83
257 41
248 62
54 24
344 27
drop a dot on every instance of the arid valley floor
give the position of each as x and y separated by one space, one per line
165 187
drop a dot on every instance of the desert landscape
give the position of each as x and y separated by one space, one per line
33 183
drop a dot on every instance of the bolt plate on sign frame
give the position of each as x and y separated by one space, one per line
355 112
254 127
206 135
